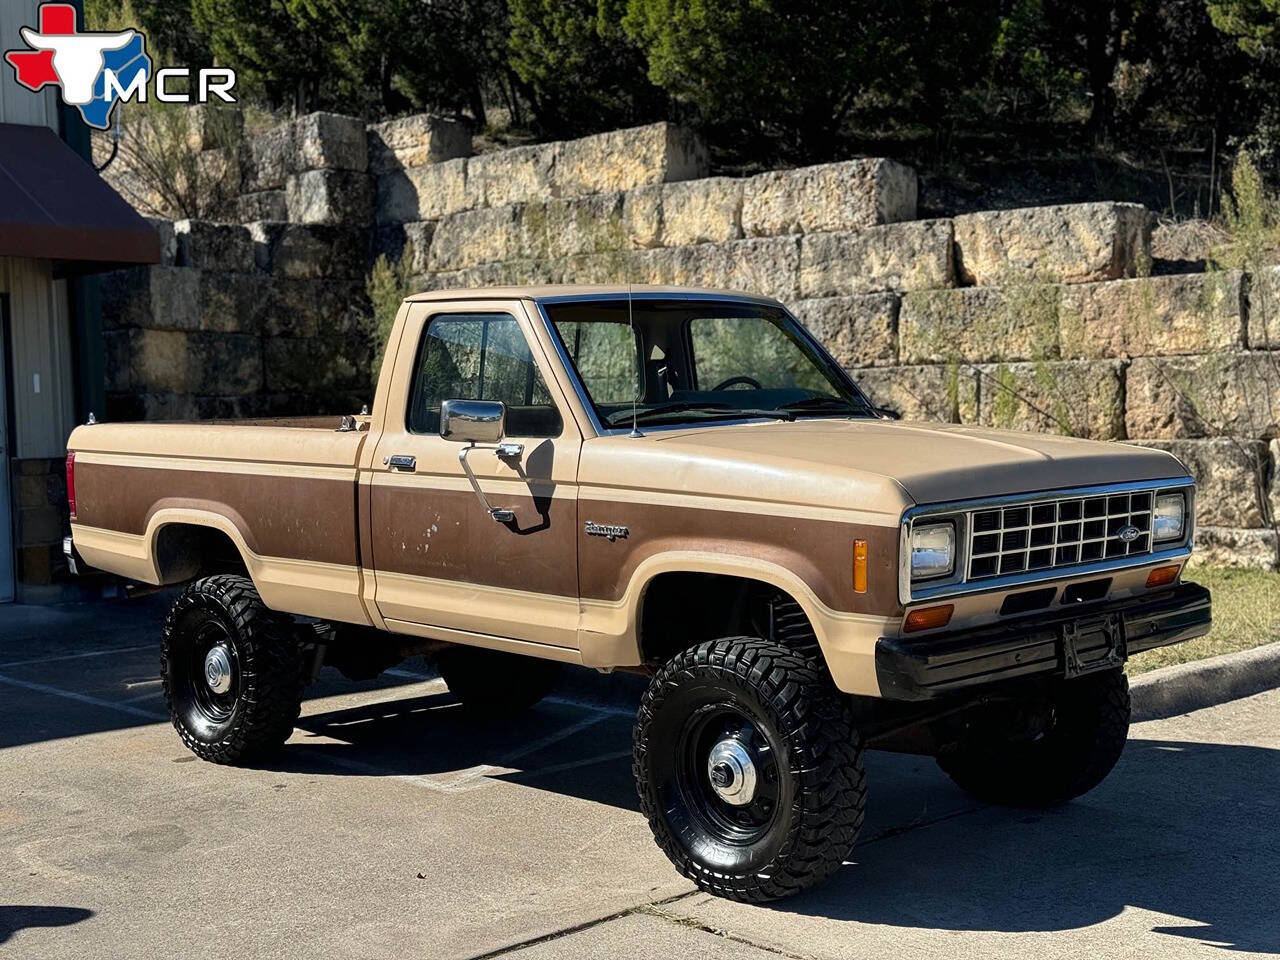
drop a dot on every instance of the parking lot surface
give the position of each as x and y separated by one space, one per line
394 824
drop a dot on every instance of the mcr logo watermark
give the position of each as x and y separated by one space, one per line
97 70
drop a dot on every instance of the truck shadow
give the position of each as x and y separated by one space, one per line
579 750
1185 831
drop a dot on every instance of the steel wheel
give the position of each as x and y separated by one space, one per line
726 774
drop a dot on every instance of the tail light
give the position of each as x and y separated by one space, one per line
71 482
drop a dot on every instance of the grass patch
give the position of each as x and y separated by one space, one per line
1246 614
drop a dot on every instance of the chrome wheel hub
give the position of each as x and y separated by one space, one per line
217 669
732 772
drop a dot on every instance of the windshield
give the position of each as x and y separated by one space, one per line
683 361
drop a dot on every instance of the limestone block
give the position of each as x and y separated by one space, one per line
415 142
701 211
422 193
1072 397
829 198
980 324
511 176
126 407
1228 476
292 307
857 331
228 364
642 216
1224 546
565 228
264 205
267 158
155 298
945 392
329 196
1225 394
466 239
232 302
318 250
329 141
1153 316
213 246
1071 243
147 361
899 256
765 266
312 365
626 159
1264 308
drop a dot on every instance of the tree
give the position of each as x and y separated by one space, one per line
788 71
1254 23
579 68
1092 36
268 47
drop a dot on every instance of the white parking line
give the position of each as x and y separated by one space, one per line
84 698
77 656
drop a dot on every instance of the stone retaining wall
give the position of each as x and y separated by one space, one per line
1040 319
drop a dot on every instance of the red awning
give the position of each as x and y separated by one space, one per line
54 206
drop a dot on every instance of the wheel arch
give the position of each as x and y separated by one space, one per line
185 543
633 641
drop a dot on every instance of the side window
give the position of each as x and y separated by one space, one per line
480 357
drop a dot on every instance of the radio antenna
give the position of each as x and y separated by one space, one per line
635 394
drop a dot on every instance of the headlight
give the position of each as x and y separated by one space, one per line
933 550
1169 520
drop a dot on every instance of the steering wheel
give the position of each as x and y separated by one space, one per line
732 381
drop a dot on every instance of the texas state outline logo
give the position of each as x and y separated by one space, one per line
94 70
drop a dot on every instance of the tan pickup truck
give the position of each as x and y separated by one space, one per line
679 482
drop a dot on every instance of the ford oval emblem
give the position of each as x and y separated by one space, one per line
1129 534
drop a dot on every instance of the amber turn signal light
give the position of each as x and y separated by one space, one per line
859 566
1163 576
927 618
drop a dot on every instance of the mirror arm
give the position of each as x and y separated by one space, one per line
505 451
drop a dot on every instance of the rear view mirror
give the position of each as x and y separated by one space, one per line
473 421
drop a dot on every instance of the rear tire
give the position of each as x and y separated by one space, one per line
232 671
1081 743
496 682
743 711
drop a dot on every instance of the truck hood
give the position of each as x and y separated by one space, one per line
930 462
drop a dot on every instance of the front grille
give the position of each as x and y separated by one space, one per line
1045 534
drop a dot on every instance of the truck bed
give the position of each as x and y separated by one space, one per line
282 491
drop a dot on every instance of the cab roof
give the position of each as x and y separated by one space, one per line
551 292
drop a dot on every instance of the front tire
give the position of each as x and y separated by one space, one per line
749 769
1066 755
232 671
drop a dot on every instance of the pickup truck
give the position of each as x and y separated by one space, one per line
682 483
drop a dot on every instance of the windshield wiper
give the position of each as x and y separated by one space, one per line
832 404
703 411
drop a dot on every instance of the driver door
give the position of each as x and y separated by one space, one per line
440 560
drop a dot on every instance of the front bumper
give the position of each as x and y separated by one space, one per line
1065 644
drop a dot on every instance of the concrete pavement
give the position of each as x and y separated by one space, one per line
394 825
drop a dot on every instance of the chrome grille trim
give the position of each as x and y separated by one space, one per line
1045 534
963 512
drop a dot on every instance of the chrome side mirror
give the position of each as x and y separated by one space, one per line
479 421
473 421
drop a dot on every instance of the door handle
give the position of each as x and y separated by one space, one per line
401 461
